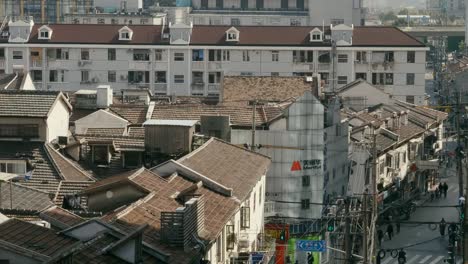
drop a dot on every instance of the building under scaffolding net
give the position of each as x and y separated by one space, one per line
45 11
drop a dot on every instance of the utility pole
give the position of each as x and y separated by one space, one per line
348 246
254 112
365 246
459 153
374 214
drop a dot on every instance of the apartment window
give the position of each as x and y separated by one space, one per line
114 21
361 56
274 74
100 155
85 54
84 76
56 76
125 35
259 4
342 79
44 34
284 4
245 55
235 22
246 74
178 56
214 77
101 21
305 180
13 168
59 54
294 22
389 56
316 36
111 76
226 55
138 77
410 99
245 217
111 54
275 55
305 204
17 55
361 75
410 57
2 53
36 75
324 76
324 57
381 168
197 77
303 56
230 237
144 21
160 77
404 157
382 78
198 55
158 55
178 78
337 21
342 58
410 79
86 20
141 55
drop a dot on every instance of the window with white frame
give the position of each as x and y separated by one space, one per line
178 56
245 55
84 76
17 55
232 34
57 76
214 77
342 79
361 56
305 204
245 217
13 167
158 54
274 55
160 77
379 78
36 75
316 35
342 58
125 33
141 54
111 76
410 78
44 34
178 78
84 54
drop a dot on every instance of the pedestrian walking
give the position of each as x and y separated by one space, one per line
310 258
437 192
390 231
380 236
445 187
442 226
461 201
398 226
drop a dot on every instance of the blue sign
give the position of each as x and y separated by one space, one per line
311 245
256 257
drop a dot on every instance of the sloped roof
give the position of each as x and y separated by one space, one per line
106 131
229 165
27 103
134 113
67 169
136 132
23 198
243 89
60 217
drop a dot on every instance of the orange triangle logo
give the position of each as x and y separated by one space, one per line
296 166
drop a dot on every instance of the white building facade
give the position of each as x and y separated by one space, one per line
191 60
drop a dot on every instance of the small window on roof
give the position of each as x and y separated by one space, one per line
45 32
232 34
125 33
316 35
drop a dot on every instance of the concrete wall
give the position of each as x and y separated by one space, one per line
169 139
362 96
99 119
58 120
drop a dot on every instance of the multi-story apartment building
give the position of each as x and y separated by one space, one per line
116 18
191 60
49 11
284 12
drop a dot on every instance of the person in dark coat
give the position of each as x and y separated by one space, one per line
445 188
390 231
442 227
398 226
380 236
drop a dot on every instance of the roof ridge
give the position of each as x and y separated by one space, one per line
247 150
48 145
135 204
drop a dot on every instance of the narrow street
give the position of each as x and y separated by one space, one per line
422 244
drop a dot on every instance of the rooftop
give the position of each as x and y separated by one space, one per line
156 122
39 103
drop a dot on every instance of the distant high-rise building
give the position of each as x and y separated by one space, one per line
45 11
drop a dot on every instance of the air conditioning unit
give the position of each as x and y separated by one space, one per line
243 243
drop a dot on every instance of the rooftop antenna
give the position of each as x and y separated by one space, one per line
323 26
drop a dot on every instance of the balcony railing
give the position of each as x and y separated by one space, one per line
214 87
324 66
36 63
160 88
140 85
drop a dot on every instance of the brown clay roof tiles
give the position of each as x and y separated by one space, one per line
135 114
26 103
61 217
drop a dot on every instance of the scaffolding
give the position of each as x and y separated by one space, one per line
45 11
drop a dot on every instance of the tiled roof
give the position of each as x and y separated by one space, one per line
135 114
136 132
229 165
68 170
26 103
33 237
71 188
239 115
106 131
120 142
23 198
242 89
112 180
218 210
215 35
60 217
97 34
92 253
44 177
